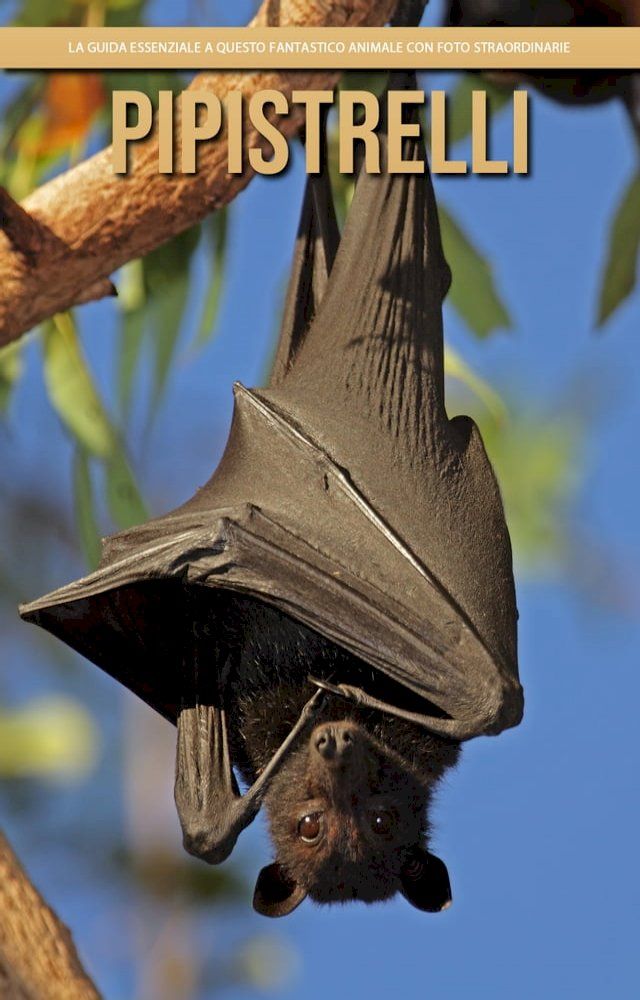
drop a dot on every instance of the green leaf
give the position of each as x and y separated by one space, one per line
459 104
132 327
538 463
40 13
373 81
76 400
125 502
48 738
342 185
84 508
11 368
167 275
17 111
167 311
456 367
620 272
266 962
473 293
132 304
149 82
71 389
161 871
216 229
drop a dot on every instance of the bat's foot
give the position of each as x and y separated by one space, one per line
328 686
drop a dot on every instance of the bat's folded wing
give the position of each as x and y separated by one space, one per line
345 496
287 525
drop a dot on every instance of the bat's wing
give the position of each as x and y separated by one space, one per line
313 257
345 497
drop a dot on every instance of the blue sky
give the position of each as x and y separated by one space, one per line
540 826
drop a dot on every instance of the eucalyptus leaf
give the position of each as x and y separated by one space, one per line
132 303
16 112
473 292
456 367
86 520
538 464
149 82
125 502
76 400
48 738
342 185
621 268
167 277
373 81
11 368
216 230
71 389
40 13
125 14
162 872
132 326
167 310
459 119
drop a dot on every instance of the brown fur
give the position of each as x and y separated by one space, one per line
392 766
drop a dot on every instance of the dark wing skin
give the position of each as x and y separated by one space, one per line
345 497
313 257
212 812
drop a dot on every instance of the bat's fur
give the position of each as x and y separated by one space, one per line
394 765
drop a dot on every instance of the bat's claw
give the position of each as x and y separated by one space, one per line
327 686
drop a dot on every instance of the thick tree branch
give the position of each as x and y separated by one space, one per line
38 960
84 224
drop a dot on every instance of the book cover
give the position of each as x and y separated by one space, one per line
318 401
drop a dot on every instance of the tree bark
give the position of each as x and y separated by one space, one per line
58 249
38 960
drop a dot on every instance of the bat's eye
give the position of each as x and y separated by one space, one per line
310 828
382 822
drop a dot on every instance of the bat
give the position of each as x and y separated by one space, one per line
334 611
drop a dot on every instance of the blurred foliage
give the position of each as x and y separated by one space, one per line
10 371
163 873
459 119
538 461
48 738
51 121
621 268
456 368
265 961
473 293
75 399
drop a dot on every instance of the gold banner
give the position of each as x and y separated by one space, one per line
320 48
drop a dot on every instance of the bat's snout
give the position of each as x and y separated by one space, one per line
335 741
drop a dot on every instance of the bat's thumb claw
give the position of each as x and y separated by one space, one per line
323 685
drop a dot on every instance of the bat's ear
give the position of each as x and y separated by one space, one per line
425 882
276 894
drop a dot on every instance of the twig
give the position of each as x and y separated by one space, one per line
38 959
92 221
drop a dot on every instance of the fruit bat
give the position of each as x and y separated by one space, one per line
334 610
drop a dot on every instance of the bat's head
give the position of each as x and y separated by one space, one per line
348 821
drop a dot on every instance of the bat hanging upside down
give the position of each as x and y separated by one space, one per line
334 611
347 806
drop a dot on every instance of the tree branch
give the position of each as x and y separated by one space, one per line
38 960
87 222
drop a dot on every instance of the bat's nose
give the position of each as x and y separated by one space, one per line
334 740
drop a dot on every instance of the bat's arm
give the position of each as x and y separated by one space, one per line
359 697
212 812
